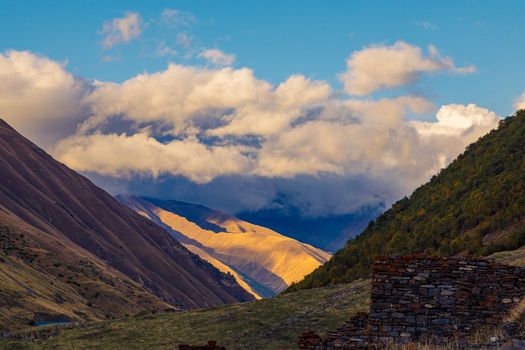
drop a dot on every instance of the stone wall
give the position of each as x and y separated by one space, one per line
353 334
431 299
421 298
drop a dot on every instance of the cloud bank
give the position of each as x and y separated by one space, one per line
222 134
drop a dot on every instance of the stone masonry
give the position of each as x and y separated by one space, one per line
420 298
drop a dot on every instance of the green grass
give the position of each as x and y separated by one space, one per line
266 324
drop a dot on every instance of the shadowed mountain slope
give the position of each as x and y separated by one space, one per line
474 206
62 214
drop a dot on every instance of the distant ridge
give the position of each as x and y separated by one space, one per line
474 206
58 225
263 261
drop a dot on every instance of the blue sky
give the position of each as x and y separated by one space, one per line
313 107
279 38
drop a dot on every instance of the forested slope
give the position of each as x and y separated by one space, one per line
474 206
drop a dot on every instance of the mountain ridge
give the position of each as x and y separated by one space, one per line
262 260
64 216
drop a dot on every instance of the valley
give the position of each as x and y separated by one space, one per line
279 175
268 324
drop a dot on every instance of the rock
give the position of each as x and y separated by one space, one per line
441 321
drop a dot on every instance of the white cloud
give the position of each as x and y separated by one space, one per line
459 120
222 101
121 30
181 96
273 111
207 124
382 66
413 150
143 154
39 97
519 103
388 111
217 57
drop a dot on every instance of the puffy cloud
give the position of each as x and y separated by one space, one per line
226 101
217 57
121 30
181 96
143 154
275 110
382 66
459 120
322 167
519 103
348 137
39 97
218 129
414 150
388 111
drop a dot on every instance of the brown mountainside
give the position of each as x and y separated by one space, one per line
49 214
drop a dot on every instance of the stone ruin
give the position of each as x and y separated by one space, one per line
428 299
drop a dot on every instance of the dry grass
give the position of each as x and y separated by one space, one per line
267 324
479 340
517 312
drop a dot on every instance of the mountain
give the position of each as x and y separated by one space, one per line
329 232
65 242
263 261
474 206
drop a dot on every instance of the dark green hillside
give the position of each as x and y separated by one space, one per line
474 206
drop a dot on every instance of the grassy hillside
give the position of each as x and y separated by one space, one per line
38 285
474 206
265 324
